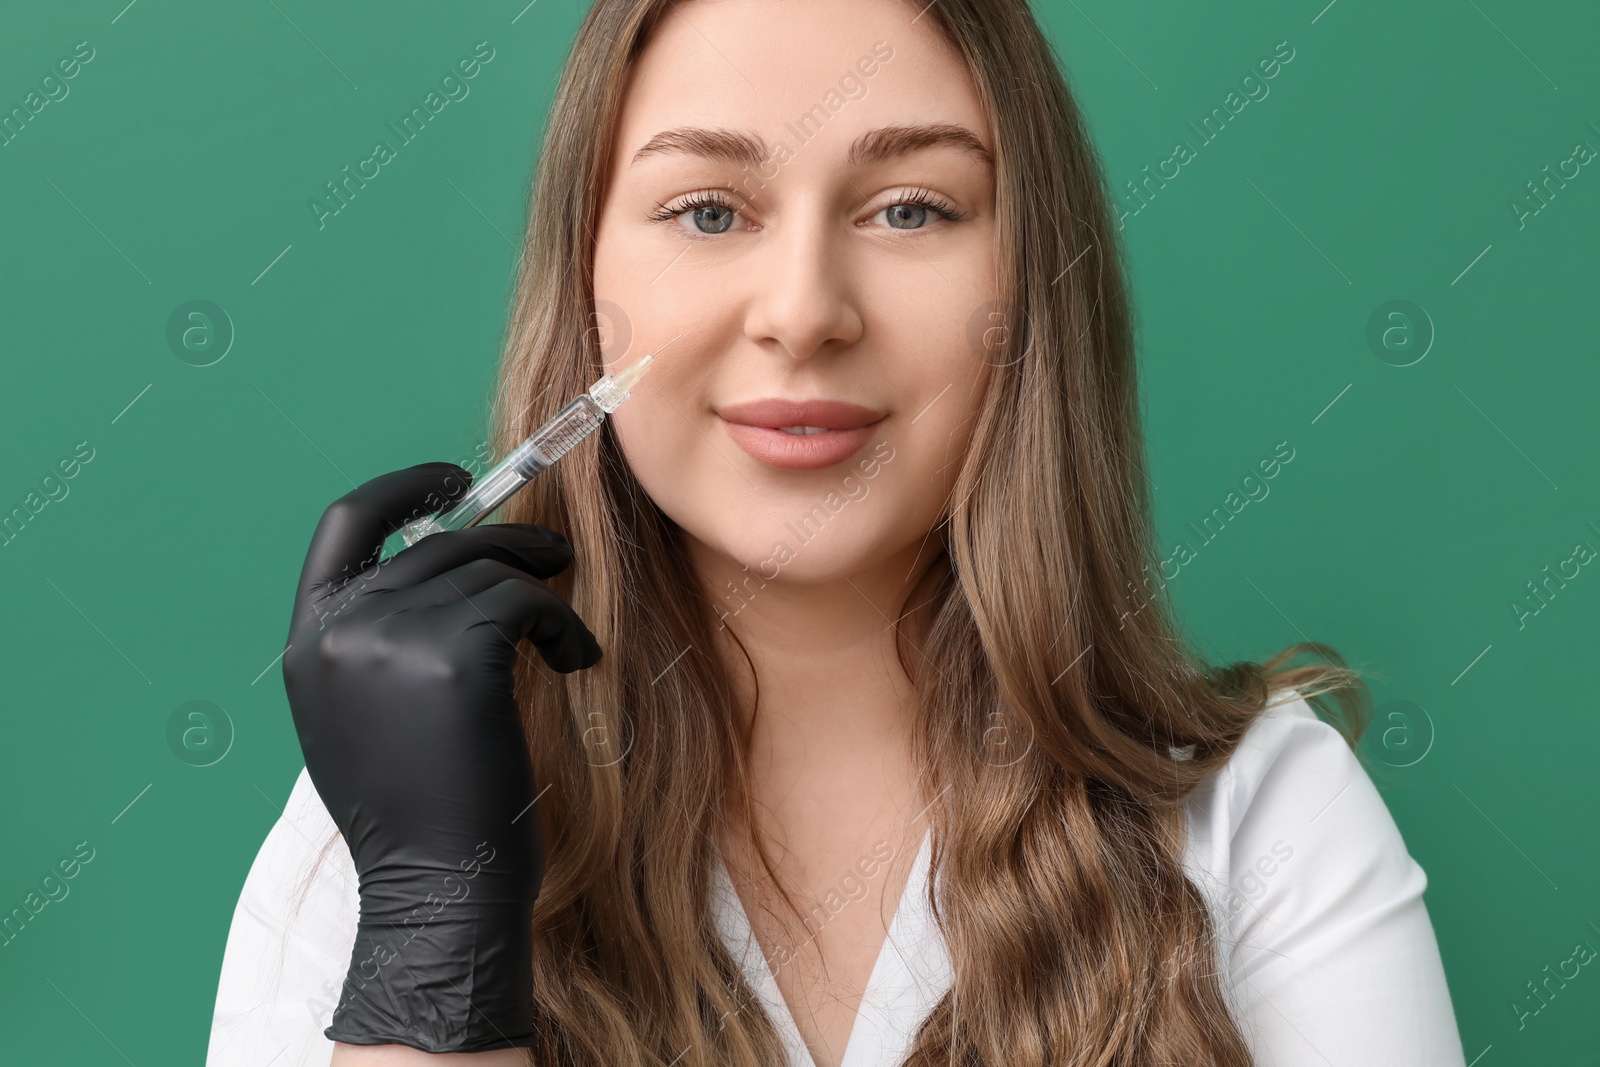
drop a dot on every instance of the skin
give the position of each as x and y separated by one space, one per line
813 290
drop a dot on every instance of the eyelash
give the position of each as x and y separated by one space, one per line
714 198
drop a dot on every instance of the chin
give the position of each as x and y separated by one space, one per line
783 552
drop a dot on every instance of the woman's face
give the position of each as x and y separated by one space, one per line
801 195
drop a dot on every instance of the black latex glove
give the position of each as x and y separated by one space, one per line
399 678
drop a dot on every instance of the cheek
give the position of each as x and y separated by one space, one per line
914 483
652 439
945 391
674 463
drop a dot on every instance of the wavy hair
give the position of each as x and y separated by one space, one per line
1074 934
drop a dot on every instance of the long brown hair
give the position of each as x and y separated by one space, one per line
1074 933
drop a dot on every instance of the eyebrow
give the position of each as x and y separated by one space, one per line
874 146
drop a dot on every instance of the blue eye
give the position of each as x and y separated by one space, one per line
711 213
910 212
906 216
720 217
708 207
711 218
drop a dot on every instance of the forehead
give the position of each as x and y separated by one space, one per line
817 73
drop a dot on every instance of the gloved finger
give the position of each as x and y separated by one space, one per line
540 552
452 586
352 530
518 608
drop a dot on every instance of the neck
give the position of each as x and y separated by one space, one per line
834 700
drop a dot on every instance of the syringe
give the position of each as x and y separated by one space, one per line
547 444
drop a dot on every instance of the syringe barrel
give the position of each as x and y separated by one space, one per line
549 443
557 437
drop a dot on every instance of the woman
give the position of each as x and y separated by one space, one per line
894 754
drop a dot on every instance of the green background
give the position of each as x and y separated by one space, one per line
1382 166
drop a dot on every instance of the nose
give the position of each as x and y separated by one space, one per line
804 296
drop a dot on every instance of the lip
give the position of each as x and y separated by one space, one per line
754 427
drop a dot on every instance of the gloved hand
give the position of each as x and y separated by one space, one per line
399 679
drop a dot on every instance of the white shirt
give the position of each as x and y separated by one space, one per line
1328 954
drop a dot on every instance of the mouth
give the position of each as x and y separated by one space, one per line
800 434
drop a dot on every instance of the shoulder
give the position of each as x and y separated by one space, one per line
289 942
1289 770
1293 807
1316 901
